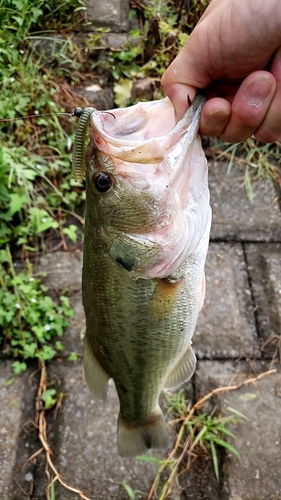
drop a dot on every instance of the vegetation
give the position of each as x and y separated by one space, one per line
36 188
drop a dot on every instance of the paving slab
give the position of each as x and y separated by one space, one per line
16 409
63 271
73 336
10 418
226 323
264 265
83 439
235 217
258 439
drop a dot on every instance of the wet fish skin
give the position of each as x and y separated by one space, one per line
143 276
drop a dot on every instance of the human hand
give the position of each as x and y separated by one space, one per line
234 54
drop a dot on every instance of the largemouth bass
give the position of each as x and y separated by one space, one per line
146 239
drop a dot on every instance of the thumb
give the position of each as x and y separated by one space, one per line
184 75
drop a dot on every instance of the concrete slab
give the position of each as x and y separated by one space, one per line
226 324
64 271
16 408
234 216
83 438
10 418
73 336
264 264
257 475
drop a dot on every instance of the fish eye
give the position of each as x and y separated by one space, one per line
103 182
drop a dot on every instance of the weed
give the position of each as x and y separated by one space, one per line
132 494
29 319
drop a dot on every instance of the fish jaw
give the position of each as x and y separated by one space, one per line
162 165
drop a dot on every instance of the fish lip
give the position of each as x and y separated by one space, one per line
104 128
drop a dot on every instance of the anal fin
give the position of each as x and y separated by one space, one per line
136 440
96 376
183 371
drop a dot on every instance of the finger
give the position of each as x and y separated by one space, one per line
270 129
179 94
249 106
214 117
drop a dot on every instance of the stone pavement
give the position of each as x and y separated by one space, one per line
236 337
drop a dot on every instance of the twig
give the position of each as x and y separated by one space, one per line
17 483
221 390
34 455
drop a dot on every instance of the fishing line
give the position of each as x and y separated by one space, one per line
79 146
77 113
36 116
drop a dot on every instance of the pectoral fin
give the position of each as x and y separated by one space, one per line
183 371
96 376
133 253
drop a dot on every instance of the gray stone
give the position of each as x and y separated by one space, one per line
234 216
97 96
264 264
258 439
117 40
63 271
226 323
85 453
112 14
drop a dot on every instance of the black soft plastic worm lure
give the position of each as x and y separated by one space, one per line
79 146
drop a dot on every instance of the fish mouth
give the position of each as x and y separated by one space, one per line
142 133
138 123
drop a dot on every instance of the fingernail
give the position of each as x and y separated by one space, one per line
217 117
258 91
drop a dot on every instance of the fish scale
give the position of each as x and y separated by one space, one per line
145 247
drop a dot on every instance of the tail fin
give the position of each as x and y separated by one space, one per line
132 441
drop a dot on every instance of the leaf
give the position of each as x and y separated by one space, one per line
29 350
47 397
16 202
236 412
148 458
228 446
72 357
19 367
215 459
248 396
71 232
122 91
59 346
129 490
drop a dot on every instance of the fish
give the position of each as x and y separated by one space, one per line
146 238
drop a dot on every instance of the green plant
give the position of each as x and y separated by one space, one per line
30 320
132 494
259 161
196 431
